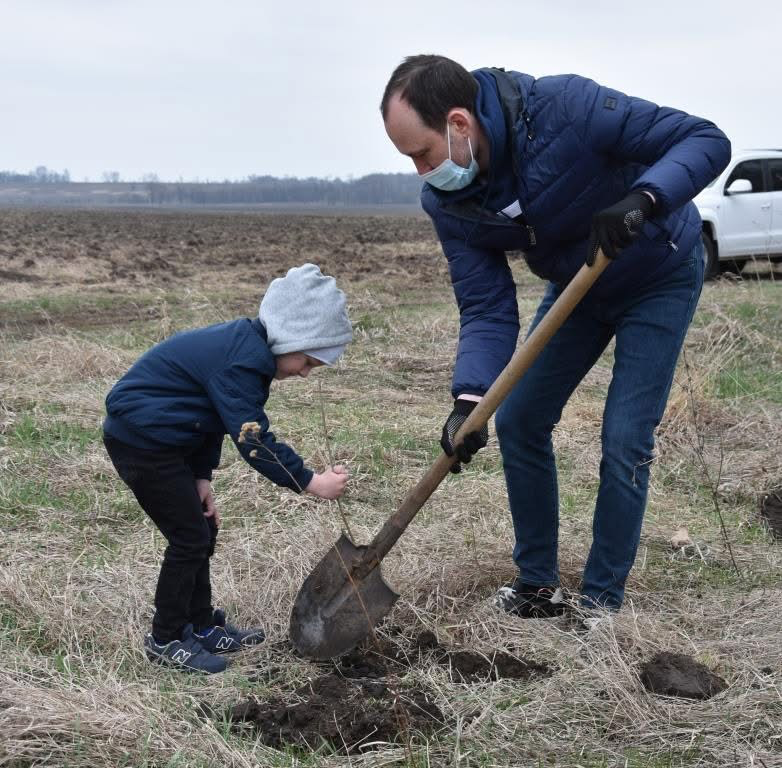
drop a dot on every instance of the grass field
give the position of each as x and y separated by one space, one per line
84 293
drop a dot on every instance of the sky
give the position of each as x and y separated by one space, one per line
222 90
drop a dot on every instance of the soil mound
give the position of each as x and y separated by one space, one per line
341 714
674 674
351 707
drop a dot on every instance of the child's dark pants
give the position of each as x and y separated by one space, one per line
164 485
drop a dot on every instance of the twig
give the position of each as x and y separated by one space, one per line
331 459
400 710
700 441
249 439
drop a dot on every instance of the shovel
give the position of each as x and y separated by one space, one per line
345 595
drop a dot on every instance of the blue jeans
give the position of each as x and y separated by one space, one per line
649 327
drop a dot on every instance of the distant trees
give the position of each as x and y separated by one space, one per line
373 189
41 175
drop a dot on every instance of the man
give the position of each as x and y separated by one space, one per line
558 167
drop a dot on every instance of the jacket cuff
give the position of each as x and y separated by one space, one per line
650 195
650 198
303 479
660 206
475 392
202 473
469 397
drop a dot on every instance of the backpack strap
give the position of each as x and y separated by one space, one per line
510 95
512 107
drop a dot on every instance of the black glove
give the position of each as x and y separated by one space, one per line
472 442
616 227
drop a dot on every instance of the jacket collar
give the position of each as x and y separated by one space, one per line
488 109
259 327
267 357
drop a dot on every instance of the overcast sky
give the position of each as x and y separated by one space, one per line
215 90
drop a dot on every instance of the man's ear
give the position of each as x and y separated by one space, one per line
460 120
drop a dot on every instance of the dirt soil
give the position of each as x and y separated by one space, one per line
355 707
378 660
771 512
116 249
674 674
344 714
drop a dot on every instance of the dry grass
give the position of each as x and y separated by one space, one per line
79 559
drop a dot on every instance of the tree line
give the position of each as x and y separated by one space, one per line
41 175
373 189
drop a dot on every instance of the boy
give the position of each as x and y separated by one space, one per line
166 419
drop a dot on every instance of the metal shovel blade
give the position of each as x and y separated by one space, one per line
335 609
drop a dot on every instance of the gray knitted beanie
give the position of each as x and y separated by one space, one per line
305 311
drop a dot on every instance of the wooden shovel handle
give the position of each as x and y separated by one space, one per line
522 359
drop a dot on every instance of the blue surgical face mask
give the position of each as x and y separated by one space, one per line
449 176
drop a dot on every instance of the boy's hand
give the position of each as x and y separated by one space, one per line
330 484
204 488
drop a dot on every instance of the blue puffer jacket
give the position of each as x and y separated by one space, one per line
191 389
579 148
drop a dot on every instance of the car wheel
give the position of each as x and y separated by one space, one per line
711 267
733 266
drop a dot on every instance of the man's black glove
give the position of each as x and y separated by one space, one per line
616 227
472 442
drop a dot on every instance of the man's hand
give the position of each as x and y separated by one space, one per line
330 484
204 488
472 442
616 227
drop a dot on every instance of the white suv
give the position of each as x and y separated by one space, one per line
742 212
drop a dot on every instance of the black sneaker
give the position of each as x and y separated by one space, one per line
223 637
530 601
186 653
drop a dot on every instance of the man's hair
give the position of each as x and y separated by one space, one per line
432 86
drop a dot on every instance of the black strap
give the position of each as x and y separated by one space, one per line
510 95
512 107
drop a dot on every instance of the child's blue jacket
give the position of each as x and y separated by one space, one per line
196 386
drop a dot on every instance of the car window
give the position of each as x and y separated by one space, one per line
751 170
775 171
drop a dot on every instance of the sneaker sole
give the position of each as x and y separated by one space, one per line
159 658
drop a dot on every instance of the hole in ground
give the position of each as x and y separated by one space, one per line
464 666
338 714
771 512
352 708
